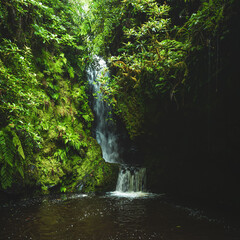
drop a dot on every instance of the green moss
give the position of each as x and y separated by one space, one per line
49 172
91 173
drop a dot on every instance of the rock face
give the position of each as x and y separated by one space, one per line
192 152
191 146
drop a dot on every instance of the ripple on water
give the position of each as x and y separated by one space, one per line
114 216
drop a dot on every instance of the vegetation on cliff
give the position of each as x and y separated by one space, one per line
151 46
45 118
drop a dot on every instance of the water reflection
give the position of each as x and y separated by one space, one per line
106 217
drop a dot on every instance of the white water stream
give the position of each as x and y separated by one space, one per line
131 180
105 130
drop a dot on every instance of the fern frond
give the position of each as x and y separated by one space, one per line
61 155
10 144
17 143
20 169
7 148
6 176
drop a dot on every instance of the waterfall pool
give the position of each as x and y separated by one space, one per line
108 217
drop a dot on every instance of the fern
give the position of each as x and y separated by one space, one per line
7 157
17 143
6 176
61 155
10 145
6 148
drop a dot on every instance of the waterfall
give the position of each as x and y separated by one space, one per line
130 179
105 130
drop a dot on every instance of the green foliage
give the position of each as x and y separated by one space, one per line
90 172
149 56
7 153
204 30
148 60
206 23
18 86
18 145
43 95
11 157
49 172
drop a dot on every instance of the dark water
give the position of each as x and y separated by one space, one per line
73 217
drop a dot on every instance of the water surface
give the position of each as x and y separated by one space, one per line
109 217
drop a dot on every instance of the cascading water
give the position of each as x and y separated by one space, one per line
105 130
130 179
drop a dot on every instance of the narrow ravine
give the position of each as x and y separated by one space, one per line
119 120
